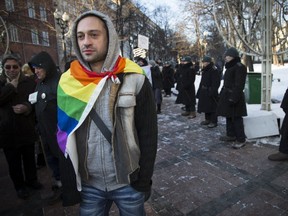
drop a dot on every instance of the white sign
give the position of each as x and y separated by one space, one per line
143 42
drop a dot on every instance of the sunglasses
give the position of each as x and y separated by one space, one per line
8 67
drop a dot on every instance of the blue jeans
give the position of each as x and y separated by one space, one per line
98 203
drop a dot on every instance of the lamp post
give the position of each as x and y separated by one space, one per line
62 21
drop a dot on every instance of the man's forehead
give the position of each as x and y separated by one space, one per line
11 61
90 22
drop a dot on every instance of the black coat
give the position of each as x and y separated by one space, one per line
232 99
156 77
185 85
46 112
208 89
168 77
46 105
21 128
284 106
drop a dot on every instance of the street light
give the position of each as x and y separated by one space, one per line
62 21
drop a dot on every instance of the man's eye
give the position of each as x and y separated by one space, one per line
94 35
80 37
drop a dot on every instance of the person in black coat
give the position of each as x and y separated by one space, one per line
168 78
282 155
232 103
46 113
186 75
17 126
207 93
156 84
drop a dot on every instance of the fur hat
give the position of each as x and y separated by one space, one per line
233 52
186 59
207 59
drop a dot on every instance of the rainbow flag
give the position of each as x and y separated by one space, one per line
77 92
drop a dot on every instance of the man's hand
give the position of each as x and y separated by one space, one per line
14 82
20 108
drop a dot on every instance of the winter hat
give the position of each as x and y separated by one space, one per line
233 52
186 59
152 62
207 59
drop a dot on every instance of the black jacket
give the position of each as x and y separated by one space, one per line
168 77
46 112
232 99
185 85
156 77
20 129
208 89
46 105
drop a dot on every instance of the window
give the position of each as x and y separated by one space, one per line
34 35
43 13
13 33
31 9
45 38
9 5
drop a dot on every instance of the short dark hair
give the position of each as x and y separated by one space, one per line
11 57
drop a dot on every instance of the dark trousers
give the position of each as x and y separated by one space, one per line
212 117
284 136
235 128
283 144
168 91
18 158
190 108
157 95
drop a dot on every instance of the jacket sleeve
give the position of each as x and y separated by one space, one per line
284 103
239 83
7 92
146 126
70 194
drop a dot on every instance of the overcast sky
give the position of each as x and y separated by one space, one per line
173 4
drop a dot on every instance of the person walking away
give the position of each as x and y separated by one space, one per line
156 84
168 78
17 126
185 85
46 112
232 103
110 132
282 154
207 93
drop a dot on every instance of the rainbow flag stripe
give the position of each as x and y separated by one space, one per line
77 92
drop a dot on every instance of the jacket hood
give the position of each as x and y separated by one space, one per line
113 41
45 61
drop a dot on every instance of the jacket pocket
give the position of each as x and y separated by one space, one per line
126 100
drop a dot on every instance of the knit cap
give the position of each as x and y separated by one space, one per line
207 59
233 52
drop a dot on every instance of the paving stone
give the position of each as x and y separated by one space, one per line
195 174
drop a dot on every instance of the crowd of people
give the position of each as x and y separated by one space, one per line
97 122
230 102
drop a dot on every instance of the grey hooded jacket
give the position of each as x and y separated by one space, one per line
128 110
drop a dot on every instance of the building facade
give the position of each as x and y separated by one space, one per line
30 26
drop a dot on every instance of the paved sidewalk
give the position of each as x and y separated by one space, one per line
195 174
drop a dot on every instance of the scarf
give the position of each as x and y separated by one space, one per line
77 93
